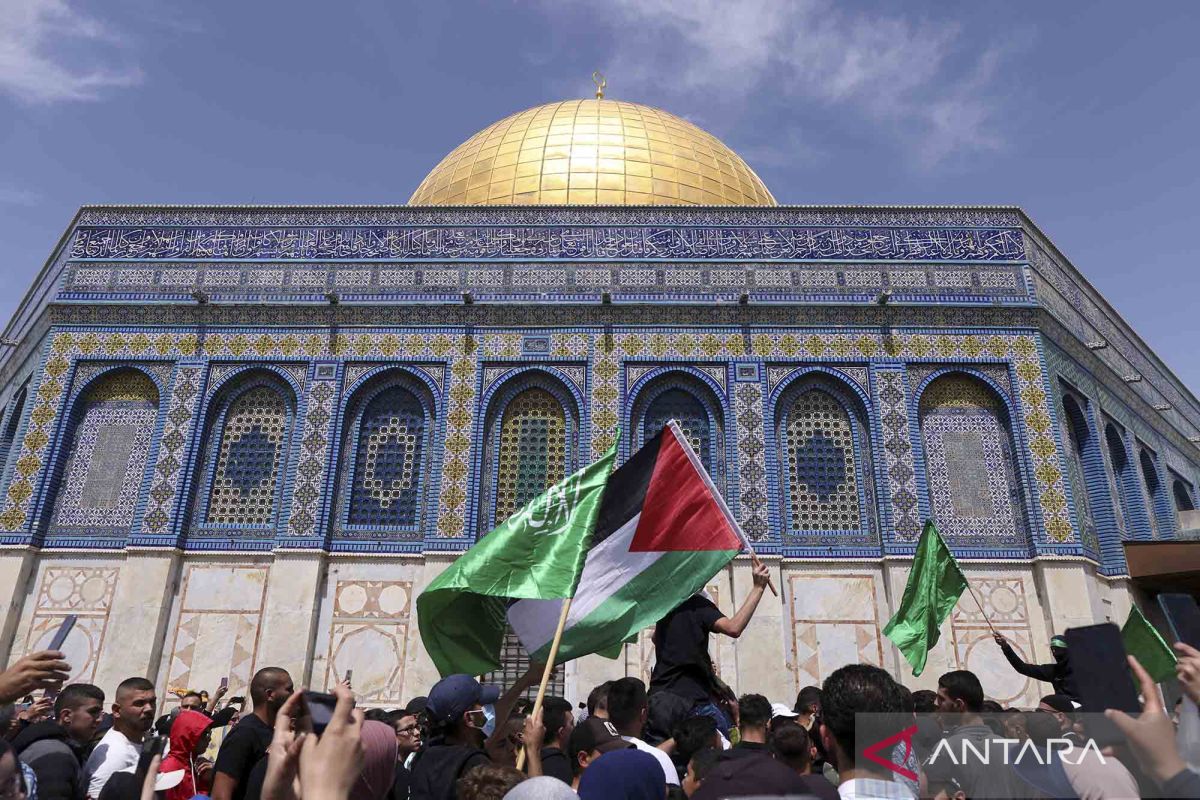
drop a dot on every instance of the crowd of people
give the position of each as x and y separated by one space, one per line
861 734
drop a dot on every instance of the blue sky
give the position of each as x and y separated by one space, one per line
1084 114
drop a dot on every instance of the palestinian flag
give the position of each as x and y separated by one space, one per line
657 534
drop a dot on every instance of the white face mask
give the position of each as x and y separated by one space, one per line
489 715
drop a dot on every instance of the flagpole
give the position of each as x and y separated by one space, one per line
982 613
546 673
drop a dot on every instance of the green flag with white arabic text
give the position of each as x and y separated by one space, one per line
934 586
537 553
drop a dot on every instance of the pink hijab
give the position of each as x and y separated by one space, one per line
379 762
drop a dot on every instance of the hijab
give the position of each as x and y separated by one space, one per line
379 762
543 788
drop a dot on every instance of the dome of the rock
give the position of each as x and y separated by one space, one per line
603 152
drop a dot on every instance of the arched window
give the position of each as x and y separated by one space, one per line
974 490
825 463
1181 491
12 421
1185 504
1078 436
693 405
1118 476
106 447
382 489
531 440
1153 487
245 460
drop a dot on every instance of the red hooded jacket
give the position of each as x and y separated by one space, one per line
186 731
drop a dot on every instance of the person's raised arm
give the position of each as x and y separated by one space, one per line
216 698
735 625
1039 672
508 700
42 670
1152 736
535 732
330 764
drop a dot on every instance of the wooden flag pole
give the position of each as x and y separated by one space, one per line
982 613
546 673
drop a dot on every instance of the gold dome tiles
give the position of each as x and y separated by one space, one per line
592 152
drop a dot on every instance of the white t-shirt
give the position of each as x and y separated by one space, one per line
114 753
664 760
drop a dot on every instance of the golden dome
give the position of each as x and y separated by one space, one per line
592 152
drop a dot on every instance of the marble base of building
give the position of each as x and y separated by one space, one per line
190 621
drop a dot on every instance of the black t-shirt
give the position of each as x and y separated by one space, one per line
244 745
556 764
682 665
401 782
745 750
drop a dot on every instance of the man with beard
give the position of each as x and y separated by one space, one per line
1058 673
118 751
248 741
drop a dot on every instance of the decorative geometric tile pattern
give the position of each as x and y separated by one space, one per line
388 461
972 483
314 451
369 634
86 592
247 466
177 431
891 397
106 455
532 452
456 452
607 350
834 620
1005 609
86 371
31 459
819 462
1076 434
217 630
690 413
752 463
717 373
1021 349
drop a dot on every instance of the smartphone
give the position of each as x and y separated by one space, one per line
151 747
320 709
1103 677
225 682
1183 615
349 676
60 635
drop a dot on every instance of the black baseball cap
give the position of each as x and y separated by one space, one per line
455 695
416 705
595 734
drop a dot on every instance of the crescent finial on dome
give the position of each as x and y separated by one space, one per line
601 82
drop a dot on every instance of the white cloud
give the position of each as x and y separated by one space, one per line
926 84
51 52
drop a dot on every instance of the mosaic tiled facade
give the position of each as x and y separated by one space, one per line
387 383
264 462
